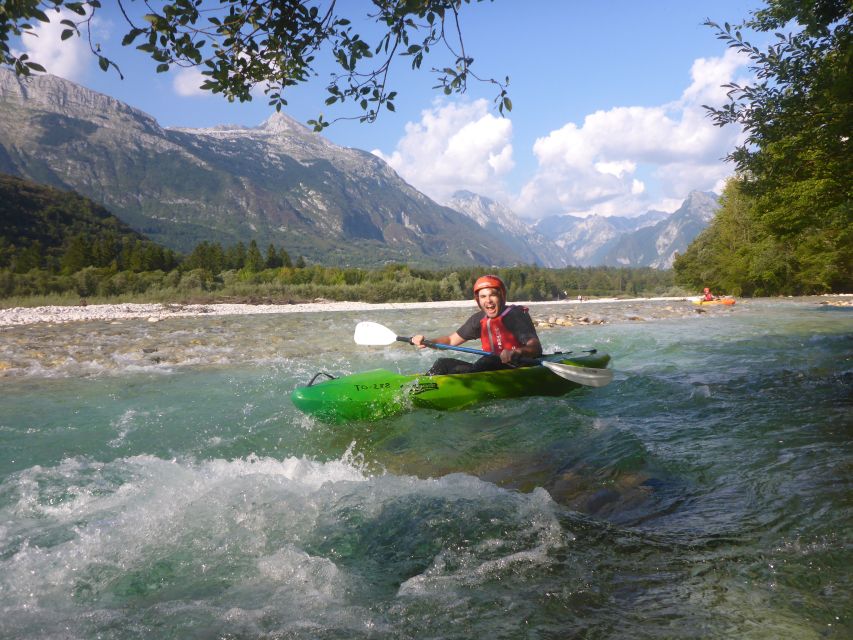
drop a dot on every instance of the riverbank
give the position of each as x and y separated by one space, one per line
157 312
16 316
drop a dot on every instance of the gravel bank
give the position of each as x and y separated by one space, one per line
158 312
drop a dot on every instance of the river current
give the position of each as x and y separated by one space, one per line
156 482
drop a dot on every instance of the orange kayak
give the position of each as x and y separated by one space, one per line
726 301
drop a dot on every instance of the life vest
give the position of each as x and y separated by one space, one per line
494 335
709 296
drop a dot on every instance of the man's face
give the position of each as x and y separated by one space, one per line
490 301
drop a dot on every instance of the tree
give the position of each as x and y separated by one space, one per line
801 100
795 161
77 255
206 255
254 260
240 44
273 260
235 256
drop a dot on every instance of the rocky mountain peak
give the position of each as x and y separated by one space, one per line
54 94
281 123
702 204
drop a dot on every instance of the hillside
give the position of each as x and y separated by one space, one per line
40 225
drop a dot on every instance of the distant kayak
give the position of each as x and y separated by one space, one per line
725 301
380 393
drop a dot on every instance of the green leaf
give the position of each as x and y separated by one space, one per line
130 36
76 7
66 33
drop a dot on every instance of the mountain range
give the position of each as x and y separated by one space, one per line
648 240
281 183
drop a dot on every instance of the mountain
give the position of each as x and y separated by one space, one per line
533 247
647 240
278 183
586 240
656 245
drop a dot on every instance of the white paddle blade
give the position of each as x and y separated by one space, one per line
587 376
373 334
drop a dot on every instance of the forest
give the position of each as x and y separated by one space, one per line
212 273
786 222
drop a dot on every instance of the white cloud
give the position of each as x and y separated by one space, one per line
454 146
69 59
624 160
187 83
710 74
617 169
592 168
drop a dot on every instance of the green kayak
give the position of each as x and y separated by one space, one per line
379 393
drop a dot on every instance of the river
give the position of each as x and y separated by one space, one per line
156 482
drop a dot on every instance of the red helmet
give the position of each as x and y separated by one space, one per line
706 289
490 282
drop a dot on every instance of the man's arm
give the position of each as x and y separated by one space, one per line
454 340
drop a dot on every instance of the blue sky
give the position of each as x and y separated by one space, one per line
606 118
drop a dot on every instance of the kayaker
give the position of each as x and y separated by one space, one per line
708 295
505 330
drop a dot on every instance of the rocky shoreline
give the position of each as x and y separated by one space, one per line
17 316
157 312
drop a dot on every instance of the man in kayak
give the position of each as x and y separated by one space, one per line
708 296
504 330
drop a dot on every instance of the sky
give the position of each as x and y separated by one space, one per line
607 98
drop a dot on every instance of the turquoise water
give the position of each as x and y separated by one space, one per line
156 482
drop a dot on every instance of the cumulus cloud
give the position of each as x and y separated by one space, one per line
187 83
623 160
454 146
69 59
593 168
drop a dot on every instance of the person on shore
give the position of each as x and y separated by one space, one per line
506 331
707 295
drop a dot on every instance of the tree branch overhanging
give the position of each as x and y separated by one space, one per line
241 45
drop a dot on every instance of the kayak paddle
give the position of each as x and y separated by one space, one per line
376 335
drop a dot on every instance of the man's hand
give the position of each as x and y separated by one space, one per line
509 356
